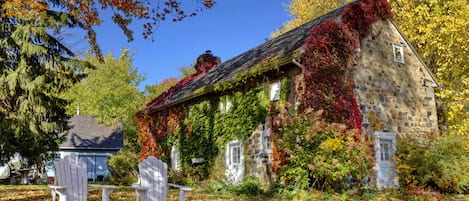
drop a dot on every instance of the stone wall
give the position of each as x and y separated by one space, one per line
258 162
393 96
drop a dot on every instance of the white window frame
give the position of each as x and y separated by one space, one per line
175 159
230 149
234 167
379 137
224 106
275 91
398 52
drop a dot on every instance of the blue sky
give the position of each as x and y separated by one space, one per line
230 28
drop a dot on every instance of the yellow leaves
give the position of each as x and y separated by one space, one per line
332 145
24 9
305 10
438 30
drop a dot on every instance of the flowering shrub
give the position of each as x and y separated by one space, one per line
320 154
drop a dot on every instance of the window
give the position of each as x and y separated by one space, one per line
234 162
235 153
225 106
385 150
398 51
275 91
175 160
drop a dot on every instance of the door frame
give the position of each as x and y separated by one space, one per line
390 136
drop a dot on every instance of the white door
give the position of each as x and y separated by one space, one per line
234 162
385 144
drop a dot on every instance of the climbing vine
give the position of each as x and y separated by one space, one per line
326 60
201 131
204 130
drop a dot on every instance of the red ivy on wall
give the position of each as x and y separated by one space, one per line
326 60
205 62
327 71
153 129
327 65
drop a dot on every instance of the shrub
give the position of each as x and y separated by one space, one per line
250 186
123 168
440 163
319 154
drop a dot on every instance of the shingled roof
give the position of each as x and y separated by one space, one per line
281 46
86 133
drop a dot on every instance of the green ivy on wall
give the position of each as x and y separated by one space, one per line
205 130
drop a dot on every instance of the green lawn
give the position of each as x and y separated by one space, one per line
42 193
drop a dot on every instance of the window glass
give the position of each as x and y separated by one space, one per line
398 51
235 154
275 91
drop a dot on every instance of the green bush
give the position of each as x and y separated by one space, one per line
440 163
123 168
250 186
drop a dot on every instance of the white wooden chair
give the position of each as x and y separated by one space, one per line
153 181
71 181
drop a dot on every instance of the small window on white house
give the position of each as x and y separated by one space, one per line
398 51
275 91
225 106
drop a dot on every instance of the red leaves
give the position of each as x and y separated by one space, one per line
360 15
326 61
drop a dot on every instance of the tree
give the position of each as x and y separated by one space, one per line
110 92
153 91
303 11
35 68
437 31
87 13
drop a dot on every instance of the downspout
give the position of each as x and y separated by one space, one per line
294 61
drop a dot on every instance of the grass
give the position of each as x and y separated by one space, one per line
125 193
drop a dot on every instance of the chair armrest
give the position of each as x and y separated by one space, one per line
141 191
58 190
54 187
182 188
139 187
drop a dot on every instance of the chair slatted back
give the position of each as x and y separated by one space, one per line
72 173
154 175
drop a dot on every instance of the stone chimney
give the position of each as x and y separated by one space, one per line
206 61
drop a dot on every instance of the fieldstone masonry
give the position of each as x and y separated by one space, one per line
258 162
393 96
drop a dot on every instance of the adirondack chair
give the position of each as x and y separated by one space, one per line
71 181
153 181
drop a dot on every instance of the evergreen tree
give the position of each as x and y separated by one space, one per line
35 68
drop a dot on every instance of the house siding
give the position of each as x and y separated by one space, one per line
392 95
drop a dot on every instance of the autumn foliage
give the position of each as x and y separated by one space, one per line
87 13
328 61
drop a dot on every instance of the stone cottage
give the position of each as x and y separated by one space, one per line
380 84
